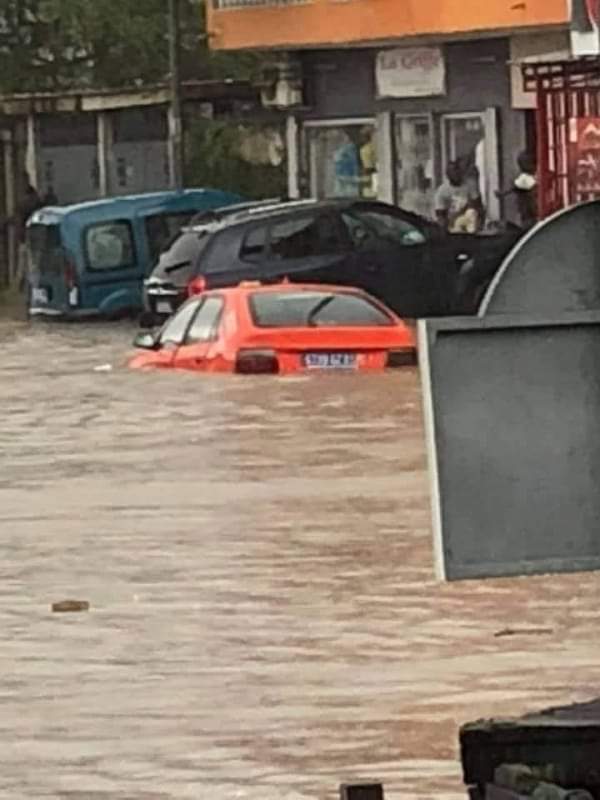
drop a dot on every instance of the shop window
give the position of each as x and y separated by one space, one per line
343 160
415 179
305 236
464 143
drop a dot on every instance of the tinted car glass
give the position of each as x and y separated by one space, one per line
315 309
109 245
44 249
378 225
305 236
204 324
254 245
177 262
176 328
160 230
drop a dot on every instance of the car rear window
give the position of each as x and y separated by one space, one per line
315 309
178 260
44 249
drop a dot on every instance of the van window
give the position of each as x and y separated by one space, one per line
44 249
109 245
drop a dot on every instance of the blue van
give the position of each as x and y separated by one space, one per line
90 259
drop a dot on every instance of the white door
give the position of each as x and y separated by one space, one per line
472 138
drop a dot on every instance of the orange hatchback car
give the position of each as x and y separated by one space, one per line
282 328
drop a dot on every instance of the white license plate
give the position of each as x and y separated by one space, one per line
163 307
330 360
39 296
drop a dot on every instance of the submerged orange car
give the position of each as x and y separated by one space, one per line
282 328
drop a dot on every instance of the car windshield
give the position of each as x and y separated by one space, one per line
315 309
177 262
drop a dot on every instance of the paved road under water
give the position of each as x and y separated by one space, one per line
264 621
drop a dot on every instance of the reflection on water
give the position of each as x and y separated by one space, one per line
264 621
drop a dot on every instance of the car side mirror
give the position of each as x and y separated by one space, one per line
145 341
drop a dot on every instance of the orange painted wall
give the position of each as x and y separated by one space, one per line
331 22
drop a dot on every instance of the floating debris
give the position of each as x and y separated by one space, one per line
103 368
70 606
523 632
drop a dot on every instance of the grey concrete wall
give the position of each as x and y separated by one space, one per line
513 429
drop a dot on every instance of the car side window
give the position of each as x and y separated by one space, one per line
254 244
373 226
205 323
305 236
109 245
176 328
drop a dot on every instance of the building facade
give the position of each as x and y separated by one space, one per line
382 95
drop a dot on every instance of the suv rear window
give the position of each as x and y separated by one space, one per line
161 229
178 260
315 310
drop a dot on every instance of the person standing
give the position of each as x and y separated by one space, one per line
524 189
458 204
347 168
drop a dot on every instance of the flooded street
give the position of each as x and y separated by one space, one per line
264 619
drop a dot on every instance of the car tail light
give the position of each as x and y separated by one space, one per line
197 286
257 362
407 357
70 276
71 284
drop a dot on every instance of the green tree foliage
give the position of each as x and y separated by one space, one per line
63 44
215 158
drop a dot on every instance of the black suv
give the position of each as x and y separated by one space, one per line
406 261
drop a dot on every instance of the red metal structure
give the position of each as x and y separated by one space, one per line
568 94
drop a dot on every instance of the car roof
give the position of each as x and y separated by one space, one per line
229 216
191 200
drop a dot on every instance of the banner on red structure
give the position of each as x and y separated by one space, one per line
585 155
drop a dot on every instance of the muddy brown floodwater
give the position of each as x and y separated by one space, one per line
264 620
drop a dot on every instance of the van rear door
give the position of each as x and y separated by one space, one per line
47 269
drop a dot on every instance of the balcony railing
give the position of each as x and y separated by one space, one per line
219 5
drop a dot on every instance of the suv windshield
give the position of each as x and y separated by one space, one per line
315 309
177 262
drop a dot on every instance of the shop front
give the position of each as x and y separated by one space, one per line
386 123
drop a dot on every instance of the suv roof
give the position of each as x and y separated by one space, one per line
228 216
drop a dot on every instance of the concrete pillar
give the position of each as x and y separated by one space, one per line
385 158
11 188
105 144
32 152
175 149
291 146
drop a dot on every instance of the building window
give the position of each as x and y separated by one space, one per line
415 175
343 160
